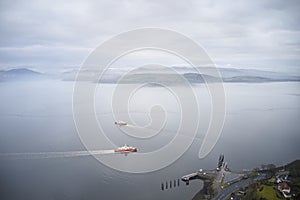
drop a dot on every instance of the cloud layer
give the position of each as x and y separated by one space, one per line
55 34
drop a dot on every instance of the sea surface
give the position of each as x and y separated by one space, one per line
261 126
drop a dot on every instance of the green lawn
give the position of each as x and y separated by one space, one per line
224 185
253 174
268 192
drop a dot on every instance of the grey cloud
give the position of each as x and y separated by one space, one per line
240 33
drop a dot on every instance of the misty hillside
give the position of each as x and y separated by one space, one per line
160 75
203 74
21 75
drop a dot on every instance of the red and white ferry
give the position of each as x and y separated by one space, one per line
126 149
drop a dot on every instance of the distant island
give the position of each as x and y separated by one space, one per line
21 74
147 75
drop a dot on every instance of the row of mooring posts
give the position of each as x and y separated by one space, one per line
170 184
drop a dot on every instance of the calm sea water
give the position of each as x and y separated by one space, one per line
262 126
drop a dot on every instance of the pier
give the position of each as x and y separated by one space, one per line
203 175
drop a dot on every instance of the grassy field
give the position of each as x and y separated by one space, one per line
253 174
224 185
268 192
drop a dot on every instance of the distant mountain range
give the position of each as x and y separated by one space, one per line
145 75
203 74
22 74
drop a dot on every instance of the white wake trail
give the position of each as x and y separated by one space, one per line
45 155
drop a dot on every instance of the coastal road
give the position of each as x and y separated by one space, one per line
225 193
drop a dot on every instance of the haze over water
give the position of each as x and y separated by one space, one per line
261 127
44 44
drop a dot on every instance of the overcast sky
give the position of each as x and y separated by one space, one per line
244 34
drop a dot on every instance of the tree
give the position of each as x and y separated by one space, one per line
271 166
251 193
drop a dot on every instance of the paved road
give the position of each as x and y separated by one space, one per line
225 193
